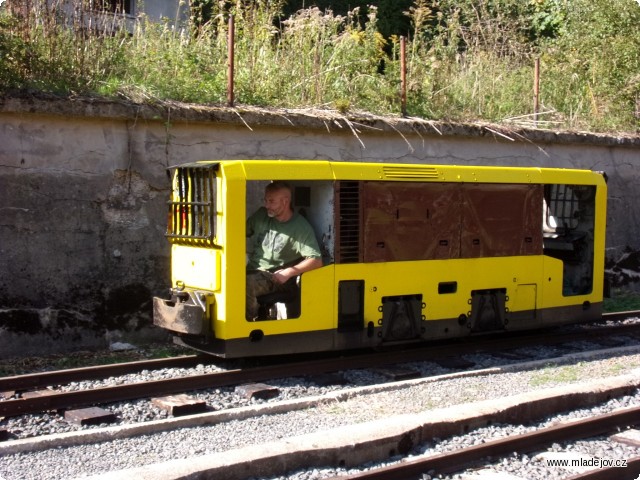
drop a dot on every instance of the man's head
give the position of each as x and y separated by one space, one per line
277 200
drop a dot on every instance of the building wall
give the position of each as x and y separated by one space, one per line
83 191
174 11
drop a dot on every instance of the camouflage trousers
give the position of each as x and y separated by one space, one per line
260 282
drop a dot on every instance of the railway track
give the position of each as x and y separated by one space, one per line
541 439
212 435
47 399
89 441
38 380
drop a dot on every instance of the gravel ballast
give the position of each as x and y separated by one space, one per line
329 411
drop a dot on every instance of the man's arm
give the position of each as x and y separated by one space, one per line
281 276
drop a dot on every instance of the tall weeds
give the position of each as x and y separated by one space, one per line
467 60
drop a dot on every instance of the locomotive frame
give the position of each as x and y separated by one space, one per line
412 252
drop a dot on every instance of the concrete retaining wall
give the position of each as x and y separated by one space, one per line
83 186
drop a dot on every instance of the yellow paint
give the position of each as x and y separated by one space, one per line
531 281
196 267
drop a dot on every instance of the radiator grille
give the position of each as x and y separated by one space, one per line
349 222
410 171
192 206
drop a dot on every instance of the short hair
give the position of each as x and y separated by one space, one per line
278 185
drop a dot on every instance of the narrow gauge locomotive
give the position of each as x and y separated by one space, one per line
411 253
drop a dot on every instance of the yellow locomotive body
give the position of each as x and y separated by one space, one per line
410 253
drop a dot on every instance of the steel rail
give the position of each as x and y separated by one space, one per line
61 400
62 377
529 442
55 400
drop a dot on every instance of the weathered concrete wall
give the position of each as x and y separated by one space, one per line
83 188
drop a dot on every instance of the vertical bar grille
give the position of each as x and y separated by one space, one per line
192 206
349 222
564 205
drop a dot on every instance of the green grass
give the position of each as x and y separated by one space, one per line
465 62
557 375
622 301
552 374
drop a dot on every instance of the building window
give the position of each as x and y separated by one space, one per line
115 6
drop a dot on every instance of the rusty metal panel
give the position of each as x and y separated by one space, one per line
410 221
501 220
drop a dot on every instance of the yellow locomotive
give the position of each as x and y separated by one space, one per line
410 253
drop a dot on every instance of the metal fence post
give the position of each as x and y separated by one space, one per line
231 61
403 76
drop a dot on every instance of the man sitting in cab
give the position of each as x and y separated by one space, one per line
283 245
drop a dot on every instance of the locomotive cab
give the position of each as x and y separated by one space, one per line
313 200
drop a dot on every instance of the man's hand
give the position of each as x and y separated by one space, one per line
281 276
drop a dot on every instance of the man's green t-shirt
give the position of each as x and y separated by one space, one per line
275 243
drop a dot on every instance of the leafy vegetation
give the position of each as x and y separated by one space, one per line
622 301
467 60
